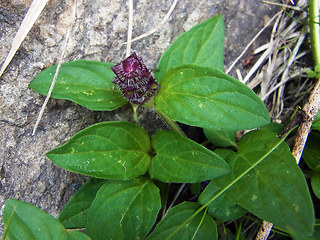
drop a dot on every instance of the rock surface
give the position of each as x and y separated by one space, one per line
98 34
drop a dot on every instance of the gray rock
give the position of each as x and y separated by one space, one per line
98 34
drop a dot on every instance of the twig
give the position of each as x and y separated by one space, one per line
264 231
311 109
32 15
57 70
129 39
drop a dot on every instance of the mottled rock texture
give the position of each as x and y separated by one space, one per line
99 32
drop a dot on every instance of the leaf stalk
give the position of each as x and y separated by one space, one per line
173 125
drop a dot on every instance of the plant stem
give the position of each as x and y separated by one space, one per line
238 230
199 225
176 196
173 125
310 111
135 115
314 30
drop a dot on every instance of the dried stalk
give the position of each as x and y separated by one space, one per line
156 28
32 15
252 41
278 56
129 38
310 110
57 70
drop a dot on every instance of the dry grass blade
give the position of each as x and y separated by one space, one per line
32 15
285 73
273 69
129 38
252 41
64 47
156 28
284 5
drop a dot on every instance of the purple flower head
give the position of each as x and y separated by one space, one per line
135 80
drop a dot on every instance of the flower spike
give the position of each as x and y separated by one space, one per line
135 80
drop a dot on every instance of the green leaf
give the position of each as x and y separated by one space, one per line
223 207
124 210
202 228
311 153
221 138
25 221
316 122
74 213
275 190
315 181
201 45
273 127
88 83
196 188
76 235
208 98
164 192
110 150
182 160
311 73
